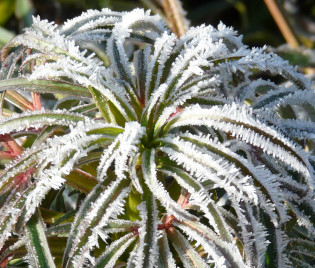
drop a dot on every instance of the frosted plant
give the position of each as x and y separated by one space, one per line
160 152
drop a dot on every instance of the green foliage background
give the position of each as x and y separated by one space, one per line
249 17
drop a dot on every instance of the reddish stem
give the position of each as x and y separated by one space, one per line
135 230
7 155
178 110
37 104
23 177
5 262
167 222
11 145
36 101
183 199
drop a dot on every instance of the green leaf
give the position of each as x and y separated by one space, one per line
18 100
187 254
114 251
37 245
182 176
272 255
68 103
244 169
18 249
158 189
82 226
118 226
81 180
300 262
150 239
151 232
132 260
133 201
102 105
45 86
46 133
87 108
8 220
302 246
200 232
50 216
38 119
65 218
171 168
123 71
272 98
218 118
60 230
165 259
79 23
141 70
90 158
205 101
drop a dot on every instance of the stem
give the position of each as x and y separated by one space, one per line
175 16
11 144
183 199
2 95
37 104
24 177
154 6
5 155
166 222
36 101
282 23
5 262
19 100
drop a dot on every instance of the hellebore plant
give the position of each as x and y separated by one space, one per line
156 151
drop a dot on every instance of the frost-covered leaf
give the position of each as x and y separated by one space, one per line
165 255
158 151
188 255
148 231
240 122
44 86
112 253
91 218
218 251
158 190
39 254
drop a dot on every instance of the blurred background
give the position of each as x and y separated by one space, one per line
251 18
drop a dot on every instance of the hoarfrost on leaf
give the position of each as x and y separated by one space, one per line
182 151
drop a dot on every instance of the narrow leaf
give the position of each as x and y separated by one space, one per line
44 86
188 255
114 251
37 245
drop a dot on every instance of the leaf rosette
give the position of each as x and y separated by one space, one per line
193 151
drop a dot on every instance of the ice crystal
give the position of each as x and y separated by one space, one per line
182 151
